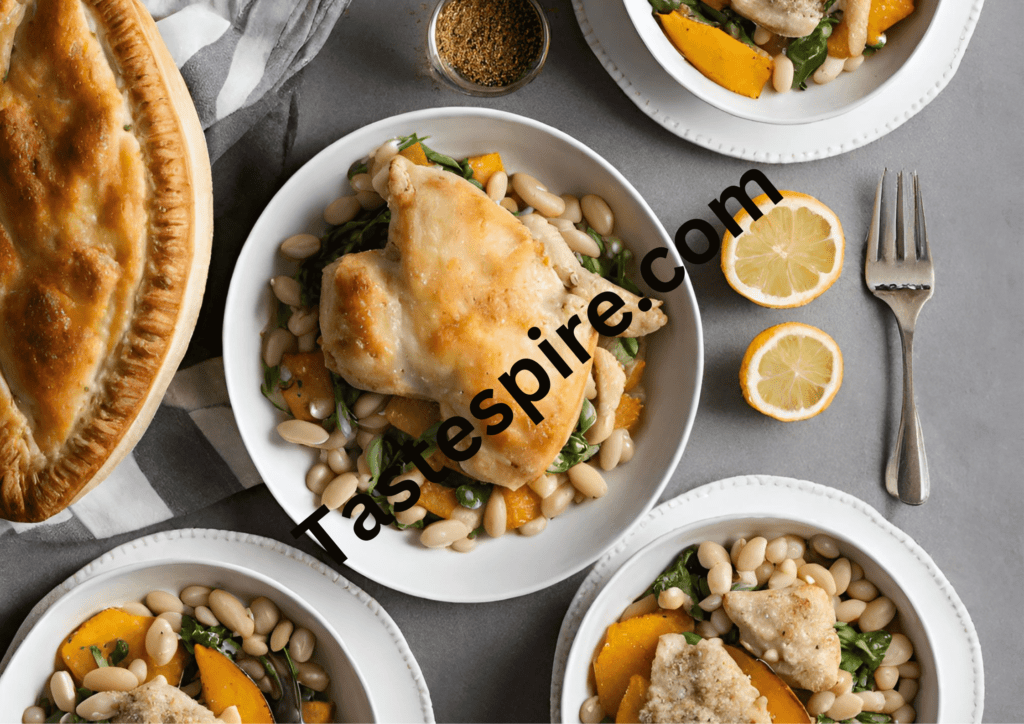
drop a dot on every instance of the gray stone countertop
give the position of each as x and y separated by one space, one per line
492 662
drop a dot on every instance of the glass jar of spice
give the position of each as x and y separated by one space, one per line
487 47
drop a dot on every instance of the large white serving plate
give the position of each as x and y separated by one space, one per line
395 690
932 614
512 565
934 60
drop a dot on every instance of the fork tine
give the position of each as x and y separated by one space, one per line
906 247
875 221
889 229
921 232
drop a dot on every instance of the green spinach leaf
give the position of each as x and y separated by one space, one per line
212 637
861 653
687 574
809 52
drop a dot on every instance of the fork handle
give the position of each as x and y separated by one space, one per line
906 475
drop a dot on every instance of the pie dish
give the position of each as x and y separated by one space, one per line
105 230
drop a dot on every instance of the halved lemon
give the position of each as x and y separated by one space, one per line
789 256
791 371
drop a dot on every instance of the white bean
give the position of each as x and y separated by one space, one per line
893 701
720 578
706 631
37 715
587 480
886 677
734 551
711 603
763 572
302 645
782 76
206 617
533 527
872 701
313 676
497 186
598 214
174 619
509 204
907 689
411 516
899 652
611 450
443 533
673 598
828 72
628 448
109 678
581 242
752 554
231 613
850 610
533 193
647 604
361 182
380 182
557 503
231 715
851 64
339 491
304 321
817 575
368 403
337 439
825 546
287 290
470 517
775 551
544 486
300 246
781 579
62 689
840 571
463 546
302 432
140 669
370 200
341 211
281 634
494 514
573 213
709 554
762 36
265 615
721 621
844 683
591 711
160 601
161 642
339 461
845 707
195 595
862 590
386 151
877 614
909 670
904 715
98 707
797 546
820 702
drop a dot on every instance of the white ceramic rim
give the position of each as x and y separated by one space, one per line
306 573
940 609
646 84
372 567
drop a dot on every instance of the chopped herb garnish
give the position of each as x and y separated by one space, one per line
576 449
688 575
862 653
97 656
212 637
119 653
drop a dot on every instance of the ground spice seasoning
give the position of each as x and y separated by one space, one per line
489 42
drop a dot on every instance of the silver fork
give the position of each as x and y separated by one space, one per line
903 277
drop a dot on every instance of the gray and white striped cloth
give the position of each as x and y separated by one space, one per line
234 55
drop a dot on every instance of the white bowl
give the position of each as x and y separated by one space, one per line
817 102
32 664
512 565
946 693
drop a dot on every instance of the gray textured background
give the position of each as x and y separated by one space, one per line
492 662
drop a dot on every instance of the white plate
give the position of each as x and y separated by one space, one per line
958 671
512 565
607 28
392 678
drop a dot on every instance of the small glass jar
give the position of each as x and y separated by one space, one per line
450 77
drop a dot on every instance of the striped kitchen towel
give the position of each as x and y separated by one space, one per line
236 54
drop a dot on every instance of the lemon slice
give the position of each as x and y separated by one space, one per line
791 371
789 256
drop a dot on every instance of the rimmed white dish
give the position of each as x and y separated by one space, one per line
607 29
512 565
394 685
952 687
817 103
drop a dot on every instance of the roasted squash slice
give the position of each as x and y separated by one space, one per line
730 63
310 381
485 166
224 685
317 712
633 700
783 705
884 14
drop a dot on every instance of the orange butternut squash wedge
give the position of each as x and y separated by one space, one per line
635 375
416 154
310 381
730 63
633 700
521 506
630 651
783 705
317 712
438 499
884 14
485 166
627 414
224 685
103 630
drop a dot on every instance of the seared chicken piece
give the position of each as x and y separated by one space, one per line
445 308
798 624
156 701
700 683
788 18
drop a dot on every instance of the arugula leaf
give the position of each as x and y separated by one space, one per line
212 637
598 239
625 350
861 653
375 458
271 387
345 396
97 655
870 717
809 52
588 415
576 449
473 495
692 638
119 653
664 6
687 574
446 162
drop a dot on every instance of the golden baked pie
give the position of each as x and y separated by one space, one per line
447 307
105 226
